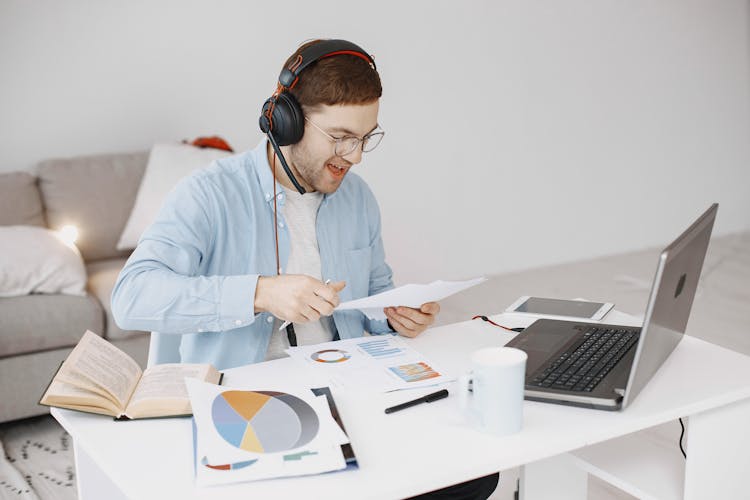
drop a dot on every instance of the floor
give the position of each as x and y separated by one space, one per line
38 463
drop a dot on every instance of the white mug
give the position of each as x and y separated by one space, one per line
495 399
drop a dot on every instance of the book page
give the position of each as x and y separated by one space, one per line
162 389
75 379
95 364
66 395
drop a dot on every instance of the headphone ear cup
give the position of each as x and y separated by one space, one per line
287 121
263 121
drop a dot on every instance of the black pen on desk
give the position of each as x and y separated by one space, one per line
429 398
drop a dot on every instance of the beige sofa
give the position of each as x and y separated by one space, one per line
96 194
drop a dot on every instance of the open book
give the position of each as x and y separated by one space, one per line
97 377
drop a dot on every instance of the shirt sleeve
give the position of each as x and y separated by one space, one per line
161 287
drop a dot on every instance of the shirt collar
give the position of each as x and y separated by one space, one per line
265 176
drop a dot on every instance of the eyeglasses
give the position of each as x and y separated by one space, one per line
348 144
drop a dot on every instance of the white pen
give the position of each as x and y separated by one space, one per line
286 323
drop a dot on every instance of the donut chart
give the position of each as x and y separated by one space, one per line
330 356
263 421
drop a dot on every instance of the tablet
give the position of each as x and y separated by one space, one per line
559 307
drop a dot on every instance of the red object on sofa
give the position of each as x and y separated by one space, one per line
213 141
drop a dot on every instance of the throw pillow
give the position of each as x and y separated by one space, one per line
167 164
35 260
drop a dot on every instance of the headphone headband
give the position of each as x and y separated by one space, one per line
325 48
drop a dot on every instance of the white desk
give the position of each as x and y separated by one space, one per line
430 446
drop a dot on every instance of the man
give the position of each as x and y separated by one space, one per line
207 267
231 254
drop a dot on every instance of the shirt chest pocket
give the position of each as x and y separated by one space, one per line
359 263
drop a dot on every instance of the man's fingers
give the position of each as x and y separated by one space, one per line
406 319
327 294
309 314
321 305
430 308
330 292
414 315
400 327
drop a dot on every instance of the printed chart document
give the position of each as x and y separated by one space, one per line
246 434
378 363
408 295
97 377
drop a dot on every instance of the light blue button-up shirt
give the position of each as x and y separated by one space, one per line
196 267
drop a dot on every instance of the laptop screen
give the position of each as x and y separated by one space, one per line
671 299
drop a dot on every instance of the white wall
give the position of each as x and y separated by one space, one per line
518 133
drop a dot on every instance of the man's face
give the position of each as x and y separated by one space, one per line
314 159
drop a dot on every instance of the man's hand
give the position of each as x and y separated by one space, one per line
410 322
296 297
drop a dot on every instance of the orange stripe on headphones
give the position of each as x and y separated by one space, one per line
349 52
269 111
296 63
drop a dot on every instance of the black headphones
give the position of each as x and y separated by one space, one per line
281 117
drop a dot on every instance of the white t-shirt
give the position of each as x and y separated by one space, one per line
299 213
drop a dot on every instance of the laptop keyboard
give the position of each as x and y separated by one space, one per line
585 364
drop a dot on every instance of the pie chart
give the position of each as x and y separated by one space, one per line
263 421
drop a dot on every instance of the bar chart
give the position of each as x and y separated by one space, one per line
381 348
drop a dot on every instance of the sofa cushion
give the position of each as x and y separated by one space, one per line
95 194
34 323
102 277
20 202
168 163
37 260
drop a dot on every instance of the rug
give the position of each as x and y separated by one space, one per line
36 461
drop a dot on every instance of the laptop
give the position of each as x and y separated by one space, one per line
604 366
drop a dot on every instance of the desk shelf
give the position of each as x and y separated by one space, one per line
646 464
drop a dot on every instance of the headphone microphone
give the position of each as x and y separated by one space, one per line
288 170
281 117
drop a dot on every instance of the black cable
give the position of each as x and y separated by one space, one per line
291 335
682 433
288 171
488 320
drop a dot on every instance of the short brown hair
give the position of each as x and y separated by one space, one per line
341 79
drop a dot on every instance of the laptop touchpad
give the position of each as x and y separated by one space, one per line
540 342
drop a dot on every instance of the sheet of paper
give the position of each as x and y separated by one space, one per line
246 434
378 363
408 295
